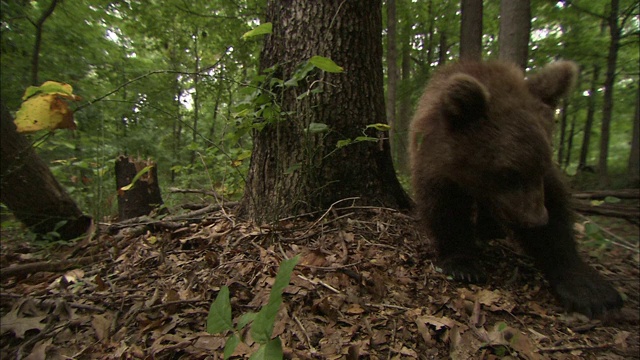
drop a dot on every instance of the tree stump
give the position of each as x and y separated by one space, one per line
144 195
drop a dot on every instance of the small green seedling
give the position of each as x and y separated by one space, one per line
220 320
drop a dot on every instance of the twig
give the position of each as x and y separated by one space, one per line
304 331
327 212
318 281
390 306
576 347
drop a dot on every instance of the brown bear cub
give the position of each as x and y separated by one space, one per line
481 161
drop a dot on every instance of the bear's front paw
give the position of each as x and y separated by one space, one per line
463 268
587 292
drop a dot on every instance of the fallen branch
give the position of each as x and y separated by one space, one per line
50 266
601 194
630 213
169 222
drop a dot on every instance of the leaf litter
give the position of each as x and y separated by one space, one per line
366 287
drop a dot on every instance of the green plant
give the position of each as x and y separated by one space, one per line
220 319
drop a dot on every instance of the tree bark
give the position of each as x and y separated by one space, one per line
515 26
293 170
607 106
634 154
392 74
471 30
29 189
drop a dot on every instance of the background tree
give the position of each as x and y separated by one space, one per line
610 75
588 125
294 168
471 30
515 27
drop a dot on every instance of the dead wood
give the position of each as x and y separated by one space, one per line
601 194
50 266
169 222
628 212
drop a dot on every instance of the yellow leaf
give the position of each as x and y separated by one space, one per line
51 87
44 111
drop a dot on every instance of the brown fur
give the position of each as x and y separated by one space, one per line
480 141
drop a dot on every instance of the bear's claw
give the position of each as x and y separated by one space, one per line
464 269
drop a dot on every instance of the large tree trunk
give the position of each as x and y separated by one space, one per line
30 191
471 30
293 170
609 81
515 26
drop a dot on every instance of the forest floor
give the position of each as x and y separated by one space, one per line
365 288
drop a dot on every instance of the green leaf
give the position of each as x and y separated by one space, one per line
245 154
219 318
502 326
283 276
269 351
245 319
293 168
136 178
326 64
379 127
230 345
343 143
315 128
262 327
51 87
591 229
262 29
365 138
611 200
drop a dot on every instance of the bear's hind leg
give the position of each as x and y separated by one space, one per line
446 212
579 287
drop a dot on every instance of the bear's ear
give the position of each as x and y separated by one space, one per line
464 100
553 82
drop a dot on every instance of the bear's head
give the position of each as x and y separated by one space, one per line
488 129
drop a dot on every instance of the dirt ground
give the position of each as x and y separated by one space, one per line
365 288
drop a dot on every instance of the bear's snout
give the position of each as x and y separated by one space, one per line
523 208
535 218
